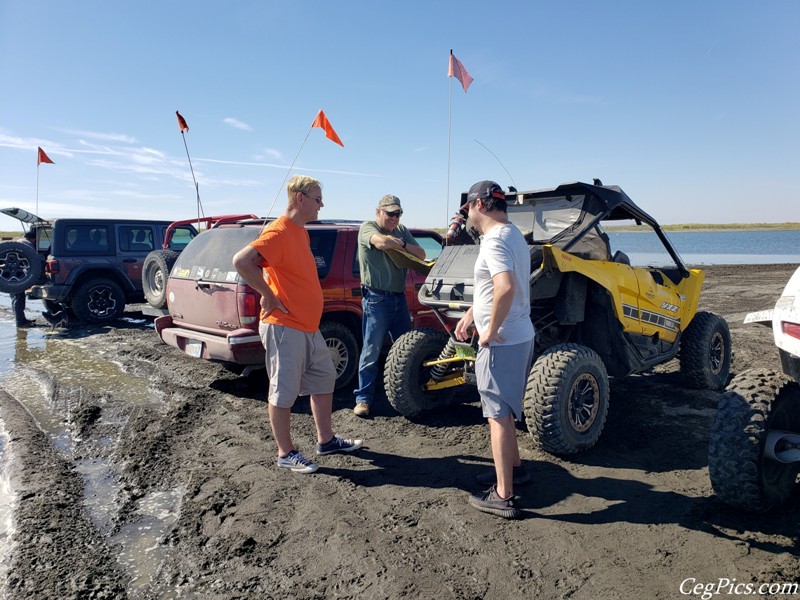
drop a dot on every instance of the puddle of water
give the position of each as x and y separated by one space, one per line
141 550
56 376
7 502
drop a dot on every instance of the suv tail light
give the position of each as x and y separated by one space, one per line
51 266
791 329
249 307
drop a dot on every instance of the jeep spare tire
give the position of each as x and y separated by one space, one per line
20 267
155 271
98 300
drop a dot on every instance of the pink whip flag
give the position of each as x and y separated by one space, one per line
457 70
43 158
322 122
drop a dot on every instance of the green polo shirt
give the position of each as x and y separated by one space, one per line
377 269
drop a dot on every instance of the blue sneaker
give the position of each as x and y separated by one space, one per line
297 463
338 444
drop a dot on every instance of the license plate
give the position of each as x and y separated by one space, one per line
194 348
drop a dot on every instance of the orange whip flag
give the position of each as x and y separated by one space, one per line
182 122
43 158
322 122
457 70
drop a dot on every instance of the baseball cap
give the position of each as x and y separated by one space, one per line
389 202
483 190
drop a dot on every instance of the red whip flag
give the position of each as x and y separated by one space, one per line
182 122
457 70
322 122
43 158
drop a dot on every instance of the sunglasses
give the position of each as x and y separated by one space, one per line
317 200
395 215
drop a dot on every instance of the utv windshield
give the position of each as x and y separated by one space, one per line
546 220
562 221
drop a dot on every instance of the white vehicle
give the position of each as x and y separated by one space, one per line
754 448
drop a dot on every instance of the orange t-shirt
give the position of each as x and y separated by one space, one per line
291 273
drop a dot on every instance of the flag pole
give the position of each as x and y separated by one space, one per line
184 128
37 188
196 186
289 170
321 121
449 126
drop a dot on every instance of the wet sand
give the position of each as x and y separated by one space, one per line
632 518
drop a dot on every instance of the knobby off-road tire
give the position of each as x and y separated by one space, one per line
566 399
754 403
20 267
155 271
98 300
405 374
344 351
705 352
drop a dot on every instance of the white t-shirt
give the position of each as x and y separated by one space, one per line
504 249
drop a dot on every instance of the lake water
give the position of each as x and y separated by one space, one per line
713 247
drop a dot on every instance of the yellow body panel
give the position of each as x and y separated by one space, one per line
646 301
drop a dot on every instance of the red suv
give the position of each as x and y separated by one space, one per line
213 313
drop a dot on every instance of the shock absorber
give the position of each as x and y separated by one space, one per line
438 371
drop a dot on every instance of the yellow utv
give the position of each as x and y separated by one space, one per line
598 312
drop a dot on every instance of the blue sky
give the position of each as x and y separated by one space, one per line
690 106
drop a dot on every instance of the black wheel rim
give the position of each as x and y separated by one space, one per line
716 353
102 302
584 403
13 267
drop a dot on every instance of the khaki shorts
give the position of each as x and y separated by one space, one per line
298 364
502 373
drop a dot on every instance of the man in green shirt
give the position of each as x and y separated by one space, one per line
383 286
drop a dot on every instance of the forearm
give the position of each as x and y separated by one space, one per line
247 263
417 251
386 242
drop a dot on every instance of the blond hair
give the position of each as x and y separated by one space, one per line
300 183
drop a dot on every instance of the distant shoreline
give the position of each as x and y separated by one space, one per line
622 228
714 227
693 227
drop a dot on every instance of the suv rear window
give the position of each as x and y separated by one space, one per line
86 238
135 238
210 255
181 236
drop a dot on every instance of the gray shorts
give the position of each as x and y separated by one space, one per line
298 364
502 373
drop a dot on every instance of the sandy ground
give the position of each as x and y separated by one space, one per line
635 517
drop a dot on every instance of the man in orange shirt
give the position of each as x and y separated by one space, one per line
279 265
